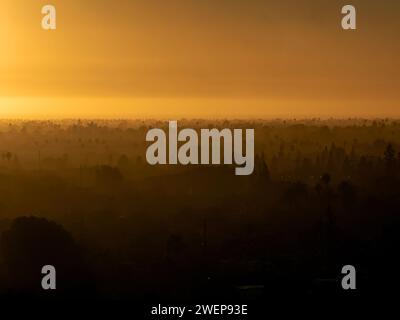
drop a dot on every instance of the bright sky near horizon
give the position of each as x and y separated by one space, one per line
192 58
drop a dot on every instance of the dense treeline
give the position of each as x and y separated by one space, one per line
324 194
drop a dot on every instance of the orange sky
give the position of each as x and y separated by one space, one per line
199 58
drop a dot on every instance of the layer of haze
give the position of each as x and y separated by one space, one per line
199 58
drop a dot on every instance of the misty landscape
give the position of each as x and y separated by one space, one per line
79 195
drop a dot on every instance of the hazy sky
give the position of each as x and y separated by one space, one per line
204 58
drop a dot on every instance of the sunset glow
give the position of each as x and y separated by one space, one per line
204 59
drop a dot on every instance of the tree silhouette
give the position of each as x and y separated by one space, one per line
389 157
31 243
